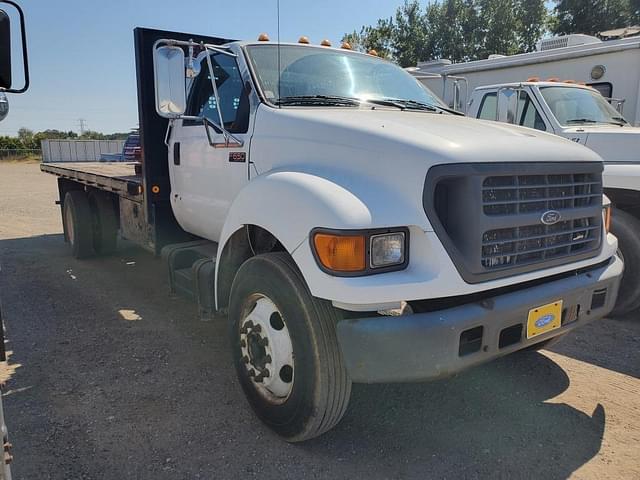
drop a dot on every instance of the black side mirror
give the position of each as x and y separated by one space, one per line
5 50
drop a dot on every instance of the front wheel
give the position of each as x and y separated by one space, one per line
285 349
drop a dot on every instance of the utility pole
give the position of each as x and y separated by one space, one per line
83 124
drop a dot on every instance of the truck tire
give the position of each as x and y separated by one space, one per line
77 223
105 223
627 228
285 349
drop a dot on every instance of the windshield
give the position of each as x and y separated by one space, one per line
322 72
574 106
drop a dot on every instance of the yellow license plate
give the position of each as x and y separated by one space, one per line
543 319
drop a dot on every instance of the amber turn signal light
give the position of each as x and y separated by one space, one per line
340 253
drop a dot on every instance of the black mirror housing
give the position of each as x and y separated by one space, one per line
5 51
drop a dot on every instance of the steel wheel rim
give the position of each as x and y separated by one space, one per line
266 349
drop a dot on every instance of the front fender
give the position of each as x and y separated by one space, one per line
289 204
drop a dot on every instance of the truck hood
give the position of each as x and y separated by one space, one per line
439 138
614 144
381 157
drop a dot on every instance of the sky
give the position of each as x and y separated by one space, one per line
81 52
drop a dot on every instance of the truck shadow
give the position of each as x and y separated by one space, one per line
610 343
492 422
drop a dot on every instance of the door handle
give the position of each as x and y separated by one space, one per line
176 153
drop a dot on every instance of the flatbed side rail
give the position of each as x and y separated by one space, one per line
118 178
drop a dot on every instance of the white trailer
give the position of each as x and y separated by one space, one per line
611 67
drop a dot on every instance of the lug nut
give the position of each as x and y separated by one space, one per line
245 359
267 359
264 342
243 343
256 328
252 373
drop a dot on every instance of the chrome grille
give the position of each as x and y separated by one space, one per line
517 194
536 243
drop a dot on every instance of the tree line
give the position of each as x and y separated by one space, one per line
29 140
464 30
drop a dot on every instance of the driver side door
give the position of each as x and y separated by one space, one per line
207 178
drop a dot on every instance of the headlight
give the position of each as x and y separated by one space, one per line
387 249
606 213
354 253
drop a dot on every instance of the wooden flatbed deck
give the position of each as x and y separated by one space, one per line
117 177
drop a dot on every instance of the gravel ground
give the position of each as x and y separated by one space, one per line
111 377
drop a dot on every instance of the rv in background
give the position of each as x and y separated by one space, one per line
611 67
513 89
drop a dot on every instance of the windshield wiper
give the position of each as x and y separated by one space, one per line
620 121
590 120
582 120
413 104
322 100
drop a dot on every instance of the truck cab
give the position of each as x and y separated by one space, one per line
581 114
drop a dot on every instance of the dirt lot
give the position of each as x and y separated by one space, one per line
111 377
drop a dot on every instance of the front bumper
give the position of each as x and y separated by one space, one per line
427 346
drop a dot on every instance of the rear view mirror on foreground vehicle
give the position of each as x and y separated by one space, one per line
171 98
5 51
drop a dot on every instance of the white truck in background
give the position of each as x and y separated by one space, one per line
579 68
350 226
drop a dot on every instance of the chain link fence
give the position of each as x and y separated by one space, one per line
20 154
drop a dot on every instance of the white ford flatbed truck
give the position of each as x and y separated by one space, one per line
351 227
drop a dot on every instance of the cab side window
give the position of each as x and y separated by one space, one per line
234 101
488 107
529 116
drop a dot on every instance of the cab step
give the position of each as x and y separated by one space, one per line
191 267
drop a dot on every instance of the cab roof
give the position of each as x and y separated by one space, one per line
533 84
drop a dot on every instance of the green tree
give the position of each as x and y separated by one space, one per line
532 22
25 135
378 38
409 34
578 16
498 21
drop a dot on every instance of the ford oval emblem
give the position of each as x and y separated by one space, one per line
550 217
546 320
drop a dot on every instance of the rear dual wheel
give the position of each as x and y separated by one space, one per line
285 349
90 223
77 222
